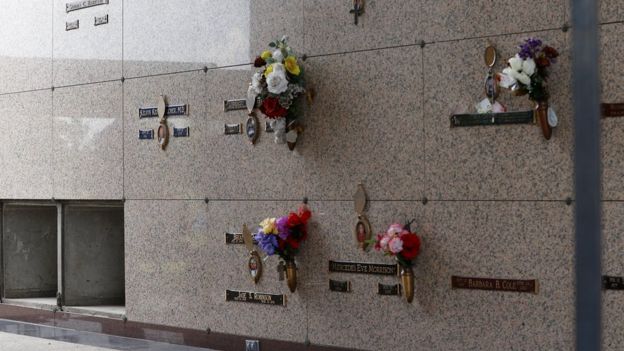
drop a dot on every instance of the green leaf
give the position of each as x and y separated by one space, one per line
272 44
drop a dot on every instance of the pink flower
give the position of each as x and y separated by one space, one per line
395 245
383 243
395 229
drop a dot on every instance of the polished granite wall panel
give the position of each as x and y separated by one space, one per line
330 28
237 169
613 265
272 19
365 125
88 142
161 36
188 255
514 240
90 53
493 162
25 55
25 153
459 19
176 173
612 92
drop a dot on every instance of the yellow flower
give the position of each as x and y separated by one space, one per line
268 70
269 226
266 55
292 66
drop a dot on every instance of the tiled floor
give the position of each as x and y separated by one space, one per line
17 336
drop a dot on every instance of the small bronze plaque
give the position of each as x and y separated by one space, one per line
363 268
389 289
72 25
233 105
612 283
101 20
232 129
490 119
236 239
255 297
181 132
268 128
146 134
527 286
340 286
612 110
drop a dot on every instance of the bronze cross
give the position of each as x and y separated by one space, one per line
358 9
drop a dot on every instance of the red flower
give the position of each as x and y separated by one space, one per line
550 52
411 246
281 244
542 61
292 242
259 62
272 109
293 220
304 214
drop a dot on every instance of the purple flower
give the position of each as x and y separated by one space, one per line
267 243
282 227
530 48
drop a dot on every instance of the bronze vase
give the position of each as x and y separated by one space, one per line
291 275
407 278
541 114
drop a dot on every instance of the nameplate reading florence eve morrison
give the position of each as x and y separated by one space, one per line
172 110
254 297
79 5
363 268
527 286
236 239
340 286
233 105
612 283
491 119
612 110
389 289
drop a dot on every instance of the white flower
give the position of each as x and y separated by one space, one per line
256 83
277 56
279 128
383 243
395 245
528 66
285 38
515 63
276 80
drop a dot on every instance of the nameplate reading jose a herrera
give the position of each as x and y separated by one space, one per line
254 297
527 286
79 5
363 268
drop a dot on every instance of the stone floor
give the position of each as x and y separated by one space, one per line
18 336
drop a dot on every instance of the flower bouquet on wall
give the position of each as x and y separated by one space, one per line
283 237
277 90
527 74
404 245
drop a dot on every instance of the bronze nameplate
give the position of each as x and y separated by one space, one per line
340 286
236 239
389 290
612 283
527 286
254 297
233 105
232 129
612 110
491 119
79 5
363 268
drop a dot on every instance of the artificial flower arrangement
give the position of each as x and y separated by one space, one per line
404 245
283 237
527 74
277 89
